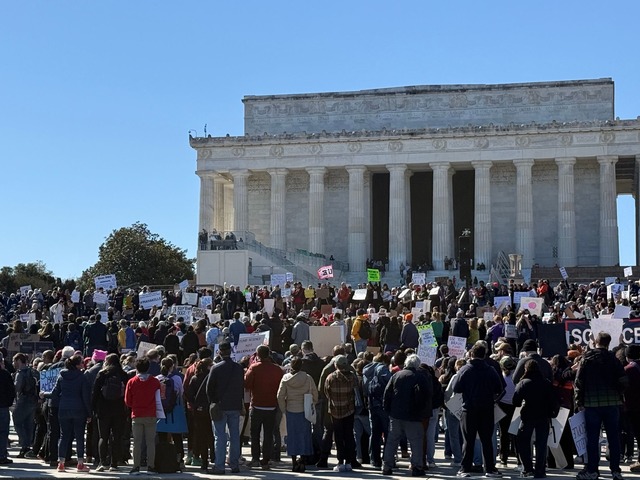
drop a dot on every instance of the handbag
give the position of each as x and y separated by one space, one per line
309 408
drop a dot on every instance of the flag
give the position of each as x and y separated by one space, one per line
325 272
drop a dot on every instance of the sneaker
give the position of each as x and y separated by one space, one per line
151 470
463 474
5 461
387 471
216 471
634 467
417 472
253 464
134 471
526 474
447 457
83 468
584 475
348 467
265 466
493 474
433 465
101 468
30 454
196 462
114 469
235 470
617 476
339 468
61 466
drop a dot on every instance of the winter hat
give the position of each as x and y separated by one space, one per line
99 355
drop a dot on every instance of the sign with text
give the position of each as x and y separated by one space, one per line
107 282
248 342
419 278
628 271
373 275
183 285
457 346
17 339
579 332
100 298
24 290
289 277
533 304
278 279
518 296
578 426
143 348
426 335
182 312
75 296
269 305
28 318
198 313
190 298
563 272
504 299
48 379
148 300
205 301
427 354
325 272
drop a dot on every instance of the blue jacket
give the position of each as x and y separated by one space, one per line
235 329
72 391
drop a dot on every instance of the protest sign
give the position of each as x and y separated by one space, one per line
426 335
148 300
360 295
419 278
205 301
17 339
373 275
325 272
28 318
75 296
248 342
612 326
579 331
213 317
427 354
24 290
183 285
621 311
518 296
455 405
198 313
373 317
578 426
183 313
278 279
143 348
326 309
269 305
107 282
563 272
405 295
557 426
457 346
190 298
504 299
48 379
628 271
289 277
325 338
286 292
533 304
609 280
488 316
510 331
416 312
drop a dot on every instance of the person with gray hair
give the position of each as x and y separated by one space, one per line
407 401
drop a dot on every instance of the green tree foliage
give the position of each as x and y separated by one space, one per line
137 256
34 274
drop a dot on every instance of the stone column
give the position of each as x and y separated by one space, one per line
356 233
206 201
218 202
637 198
278 228
442 219
227 221
524 211
482 239
397 216
609 254
567 240
407 205
240 204
316 209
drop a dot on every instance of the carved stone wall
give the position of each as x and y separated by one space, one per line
503 207
587 205
431 106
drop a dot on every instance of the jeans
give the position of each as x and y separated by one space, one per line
361 427
431 435
144 428
4 432
478 422
24 423
71 427
262 420
415 435
541 427
379 421
360 345
455 439
231 420
594 418
345 441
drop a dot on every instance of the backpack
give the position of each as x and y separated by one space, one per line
168 395
113 388
365 330
30 384
374 380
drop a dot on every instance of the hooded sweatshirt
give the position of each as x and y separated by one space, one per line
292 389
72 391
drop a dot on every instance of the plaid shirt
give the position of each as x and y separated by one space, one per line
600 380
339 389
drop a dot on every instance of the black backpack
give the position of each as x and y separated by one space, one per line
31 387
365 330
113 388
168 395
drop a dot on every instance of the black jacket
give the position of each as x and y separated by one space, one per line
408 395
7 389
225 385
539 399
479 385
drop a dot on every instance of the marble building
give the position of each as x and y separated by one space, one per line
399 173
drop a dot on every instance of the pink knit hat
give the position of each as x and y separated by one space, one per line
99 355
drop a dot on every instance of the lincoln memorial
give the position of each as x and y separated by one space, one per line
400 173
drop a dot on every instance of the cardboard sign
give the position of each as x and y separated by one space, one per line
499 300
416 312
24 290
578 426
419 278
289 277
373 275
108 282
248 342
75 296
510 331
518 296
151 299
557 426
488 316
457 346
455 405
325 338
28 318
360 295
48 379
143 348
190 299
621 312
325 272
326 309
100 298
269 305
405 295
427 354
183 312
612 326
533 304
628 271
198 313
17 339
214 317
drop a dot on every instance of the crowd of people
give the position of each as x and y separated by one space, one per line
190 401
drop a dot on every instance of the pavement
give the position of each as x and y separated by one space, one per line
27 469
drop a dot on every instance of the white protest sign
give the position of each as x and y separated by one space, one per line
248 342
621 311
286 292
75 296
510 331
609 280
106 281
578 426
563 272
514 426
533 304
504 299
289 277
612 326
416 312
625 295
48 379
628 271
190 298
404 293
455 405
373 317
28 318
360 294
183 285
148 300
25 289
198 313
488 316
104 317
278 279
419 278
420 305
184 312
143 348
248 296
205 301
498 413
427 354
557 426
325 338
269 305
214 317
518 296
100 298
457 346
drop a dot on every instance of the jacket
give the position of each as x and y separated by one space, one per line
291 392
460 327
479 385
100 405
355 329
313 365
263 380
140 395
600 380
539 399
7 389
409 336
408 395
225 385
73 392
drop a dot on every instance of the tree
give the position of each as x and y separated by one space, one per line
33 273
137 256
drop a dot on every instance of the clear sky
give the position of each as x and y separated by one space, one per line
97 97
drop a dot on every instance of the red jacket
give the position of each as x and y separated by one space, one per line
140 396
263 379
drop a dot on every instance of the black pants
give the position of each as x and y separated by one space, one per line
344 438
202 438
477 422
541 427
507 441
262 420
111 429
40 431
634 421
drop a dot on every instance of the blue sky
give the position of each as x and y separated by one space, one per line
97 97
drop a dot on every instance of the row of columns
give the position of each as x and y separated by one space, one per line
215 190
